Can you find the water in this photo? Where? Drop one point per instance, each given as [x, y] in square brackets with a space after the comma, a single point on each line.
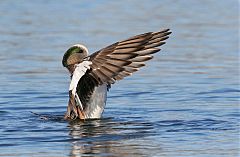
[184, 103]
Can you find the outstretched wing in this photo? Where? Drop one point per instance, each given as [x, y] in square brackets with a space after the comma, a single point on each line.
[123, 58]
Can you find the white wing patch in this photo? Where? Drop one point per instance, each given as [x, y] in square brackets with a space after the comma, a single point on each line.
[80, 70]
[98, 99]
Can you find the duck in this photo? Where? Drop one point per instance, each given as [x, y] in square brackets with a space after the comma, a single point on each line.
[92, 75]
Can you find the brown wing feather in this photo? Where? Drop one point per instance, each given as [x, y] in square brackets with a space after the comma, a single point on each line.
[123, 58]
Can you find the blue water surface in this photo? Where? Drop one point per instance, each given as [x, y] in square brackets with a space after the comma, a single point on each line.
[185, 102]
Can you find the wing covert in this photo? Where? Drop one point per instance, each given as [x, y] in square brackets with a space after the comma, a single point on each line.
[123, 58]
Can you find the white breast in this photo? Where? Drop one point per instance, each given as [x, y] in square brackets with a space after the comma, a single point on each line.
[97, 102]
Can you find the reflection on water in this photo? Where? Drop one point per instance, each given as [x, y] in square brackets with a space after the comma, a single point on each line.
[185, 102]
[105, 136]
[120, 137]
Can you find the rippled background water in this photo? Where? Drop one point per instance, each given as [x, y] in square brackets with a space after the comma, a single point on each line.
[184, 103]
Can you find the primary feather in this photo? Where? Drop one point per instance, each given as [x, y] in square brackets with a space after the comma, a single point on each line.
[123, 58]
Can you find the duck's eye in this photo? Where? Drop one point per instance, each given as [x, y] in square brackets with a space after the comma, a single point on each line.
[80, 51]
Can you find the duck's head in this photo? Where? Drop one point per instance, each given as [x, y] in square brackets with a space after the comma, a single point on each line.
[74, 55]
